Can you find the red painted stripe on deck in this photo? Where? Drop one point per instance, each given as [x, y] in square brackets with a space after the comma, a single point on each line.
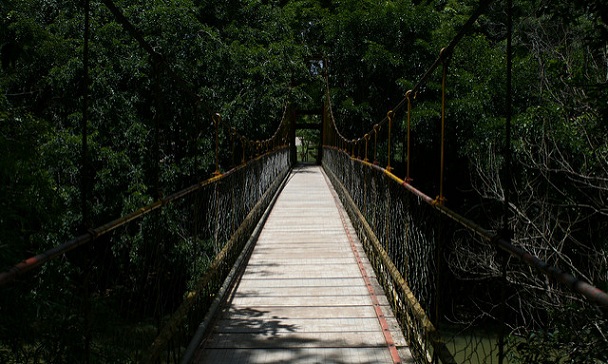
[381, 319]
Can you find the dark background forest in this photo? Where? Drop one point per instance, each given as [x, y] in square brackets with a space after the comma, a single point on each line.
[149, 111]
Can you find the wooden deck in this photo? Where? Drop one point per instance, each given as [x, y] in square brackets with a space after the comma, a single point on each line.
[305, 296]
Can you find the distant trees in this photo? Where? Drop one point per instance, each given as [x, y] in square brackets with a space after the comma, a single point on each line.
[149, 134]
[237, 58]
[559, 147]
[558, 197]
[150, 121]
[377, 50]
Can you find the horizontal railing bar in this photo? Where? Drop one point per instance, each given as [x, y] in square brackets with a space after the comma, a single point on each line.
[309, 126]
[92, 234]
[590, 292]
[234, 272]
[174, 322]
[417, 310]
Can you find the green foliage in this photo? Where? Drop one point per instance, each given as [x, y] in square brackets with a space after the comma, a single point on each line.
[150, 131]
[147, 136]
[27, 197]
[373, 47]
[573, 336]
[309, 143]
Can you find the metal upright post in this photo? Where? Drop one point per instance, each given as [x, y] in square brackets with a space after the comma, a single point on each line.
[506, 179]
[389, 116]
[293, 152]
[85, 185]
[446, 61]
[408, 136]
[217, 119]
[376, 131]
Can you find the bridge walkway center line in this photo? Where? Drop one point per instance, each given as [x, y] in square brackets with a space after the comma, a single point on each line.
[303, 297]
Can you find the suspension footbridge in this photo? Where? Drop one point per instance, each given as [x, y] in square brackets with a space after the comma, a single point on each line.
[269, 262]
[308, 293]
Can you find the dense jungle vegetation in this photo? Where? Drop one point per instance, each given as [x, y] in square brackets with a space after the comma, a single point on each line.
[150, 131]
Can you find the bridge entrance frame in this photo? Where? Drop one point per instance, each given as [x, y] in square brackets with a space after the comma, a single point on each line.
[294, 116]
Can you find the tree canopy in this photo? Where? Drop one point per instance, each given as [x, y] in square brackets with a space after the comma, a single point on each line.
[158, 69]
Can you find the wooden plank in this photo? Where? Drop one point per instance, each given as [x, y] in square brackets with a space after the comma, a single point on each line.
[302, 298]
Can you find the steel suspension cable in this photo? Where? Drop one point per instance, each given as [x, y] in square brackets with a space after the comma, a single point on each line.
[445, 53]
[86, 182]
[84, 167]
[441, 198]
[156, 57]
[507, 169]
[408, 96]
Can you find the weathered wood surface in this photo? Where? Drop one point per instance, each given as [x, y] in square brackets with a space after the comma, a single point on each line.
[302, 297]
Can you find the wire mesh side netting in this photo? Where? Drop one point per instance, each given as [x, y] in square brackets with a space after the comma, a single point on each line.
[401, 252]
[457, 296]
[139, 292]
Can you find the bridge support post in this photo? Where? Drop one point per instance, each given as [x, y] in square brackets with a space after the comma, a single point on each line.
[324, 132]
[293, 152]
[86, 192]
[507, 182]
